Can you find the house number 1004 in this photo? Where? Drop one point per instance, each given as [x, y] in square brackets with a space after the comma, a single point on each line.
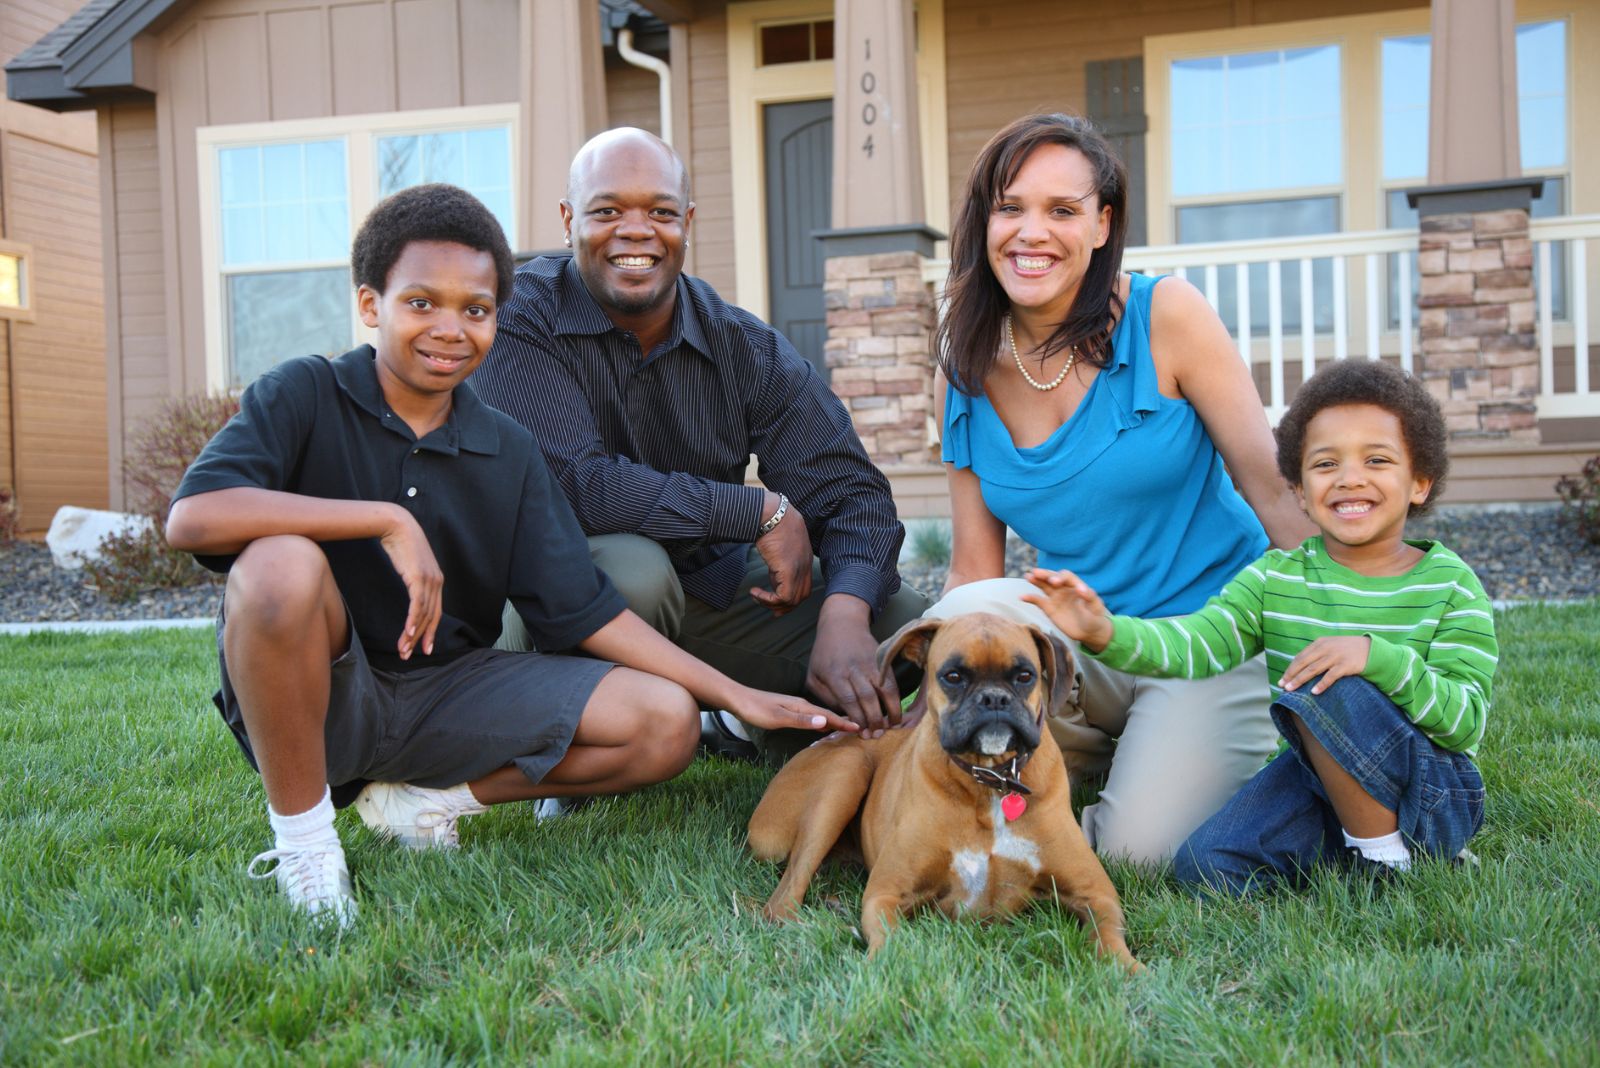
[869, 110]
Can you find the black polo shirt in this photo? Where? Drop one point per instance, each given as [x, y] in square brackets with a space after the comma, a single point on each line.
[658, 446]
[498, 525]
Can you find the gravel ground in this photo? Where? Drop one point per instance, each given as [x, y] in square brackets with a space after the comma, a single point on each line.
[1519, 553]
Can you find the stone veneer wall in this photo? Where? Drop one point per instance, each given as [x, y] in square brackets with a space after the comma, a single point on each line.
[1479, 352]
[880, 324]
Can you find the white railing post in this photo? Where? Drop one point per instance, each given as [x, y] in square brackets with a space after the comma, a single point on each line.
[1275, 330]
[1211, 286]
[1579, 301]
[1242, 306]
[1404, 260]
[1547, 355]
[1373, 350]
[1341, 313]
[1308, 323]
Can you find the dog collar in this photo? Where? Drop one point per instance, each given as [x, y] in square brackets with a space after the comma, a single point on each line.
[1006, 779]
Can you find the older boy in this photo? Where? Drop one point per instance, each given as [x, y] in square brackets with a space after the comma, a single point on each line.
[373, 517]
[1386, 649]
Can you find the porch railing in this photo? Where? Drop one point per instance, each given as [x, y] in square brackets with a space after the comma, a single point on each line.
[1355, 296]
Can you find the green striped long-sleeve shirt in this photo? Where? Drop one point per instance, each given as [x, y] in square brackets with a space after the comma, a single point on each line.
[1432, 629]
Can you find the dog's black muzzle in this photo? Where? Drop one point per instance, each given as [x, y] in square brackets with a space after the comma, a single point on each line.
[989, 721]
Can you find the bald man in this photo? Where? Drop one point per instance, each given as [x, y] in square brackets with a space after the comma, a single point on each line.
[648, 394]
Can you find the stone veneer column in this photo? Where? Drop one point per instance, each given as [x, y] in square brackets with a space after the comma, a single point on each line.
[880, 322]
[1479, 352]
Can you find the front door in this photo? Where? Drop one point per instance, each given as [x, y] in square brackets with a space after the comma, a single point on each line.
[799, 165]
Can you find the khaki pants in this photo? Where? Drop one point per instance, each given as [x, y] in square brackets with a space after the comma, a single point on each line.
[744, 641]
[1174, 750]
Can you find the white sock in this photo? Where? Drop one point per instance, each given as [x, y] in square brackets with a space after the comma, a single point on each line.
[1387, 849]
[732, 722]
[461, 800]
[308, 829]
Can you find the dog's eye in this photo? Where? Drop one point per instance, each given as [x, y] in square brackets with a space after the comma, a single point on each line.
[1024, 676]
[952, 677]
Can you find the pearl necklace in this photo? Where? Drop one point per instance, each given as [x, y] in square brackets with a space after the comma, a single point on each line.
[1072, 357]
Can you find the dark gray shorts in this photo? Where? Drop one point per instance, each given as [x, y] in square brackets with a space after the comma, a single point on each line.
[439, 726]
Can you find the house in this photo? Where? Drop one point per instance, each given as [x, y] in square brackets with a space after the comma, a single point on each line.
[53, 437]
[1277, 151]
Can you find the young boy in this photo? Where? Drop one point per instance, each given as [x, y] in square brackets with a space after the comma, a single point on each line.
[374, 517]
[1383, 649]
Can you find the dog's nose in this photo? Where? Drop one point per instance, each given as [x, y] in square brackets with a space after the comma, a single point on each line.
[994, 699]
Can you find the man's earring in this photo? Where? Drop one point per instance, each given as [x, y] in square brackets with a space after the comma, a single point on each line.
[567, 240]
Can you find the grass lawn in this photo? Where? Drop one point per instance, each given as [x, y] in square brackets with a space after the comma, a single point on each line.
[630, 933]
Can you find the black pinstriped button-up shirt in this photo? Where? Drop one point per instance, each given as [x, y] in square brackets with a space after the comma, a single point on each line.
[659, 446]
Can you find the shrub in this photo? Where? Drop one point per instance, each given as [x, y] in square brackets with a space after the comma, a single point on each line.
[1582, 496]
[930, 543]
[8, 516]
[159, 454]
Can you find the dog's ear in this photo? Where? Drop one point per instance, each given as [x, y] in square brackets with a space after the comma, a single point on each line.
[1059, 668]
[911, 642]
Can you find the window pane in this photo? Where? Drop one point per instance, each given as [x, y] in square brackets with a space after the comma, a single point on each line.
[283, 203]
[242, 241]
[1406, 73]
[239, 174]
[1267, 218]
[790, 43]
[478, 160]
[273, 317]
[1543, 128]
[1261, 120]
[1542, 59]
[10, 280]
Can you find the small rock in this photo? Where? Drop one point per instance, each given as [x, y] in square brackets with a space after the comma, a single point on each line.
[76, 533]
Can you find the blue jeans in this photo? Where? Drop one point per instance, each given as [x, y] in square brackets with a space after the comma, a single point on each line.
[1281, 824]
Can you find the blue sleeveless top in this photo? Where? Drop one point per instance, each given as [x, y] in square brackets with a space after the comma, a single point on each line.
[1130, 492]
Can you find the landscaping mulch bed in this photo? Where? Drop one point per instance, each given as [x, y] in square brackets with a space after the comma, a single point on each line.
[1520, 554]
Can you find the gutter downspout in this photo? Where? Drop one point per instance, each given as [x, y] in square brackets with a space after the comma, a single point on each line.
[637, 58]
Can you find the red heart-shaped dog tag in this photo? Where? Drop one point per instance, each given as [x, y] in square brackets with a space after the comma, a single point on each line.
[1013, 805]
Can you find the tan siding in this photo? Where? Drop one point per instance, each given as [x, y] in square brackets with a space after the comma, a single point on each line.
[428, 28]
[182, 104]
[297, 64]
[137, 273]
[490, 28]
[235, 69]
[8, 476]
[710, 164]
[363, 58]
[22, 22]
[633, 97]
[52, 202]
[987, 45]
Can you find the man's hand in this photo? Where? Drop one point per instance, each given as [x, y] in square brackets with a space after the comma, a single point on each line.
[776, 711]
[787, 550]
[843, 671]
[413, 559]
[1072, 606]
[1333, 658]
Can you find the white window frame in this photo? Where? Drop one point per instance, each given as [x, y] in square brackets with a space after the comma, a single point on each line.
[360, 134]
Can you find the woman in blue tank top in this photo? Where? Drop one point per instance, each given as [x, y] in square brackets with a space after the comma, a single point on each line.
[1100, 415]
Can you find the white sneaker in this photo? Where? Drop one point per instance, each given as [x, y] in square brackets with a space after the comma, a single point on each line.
[316, 880]
[419, 817]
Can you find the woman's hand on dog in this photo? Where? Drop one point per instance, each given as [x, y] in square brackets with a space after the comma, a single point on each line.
[1072, 606]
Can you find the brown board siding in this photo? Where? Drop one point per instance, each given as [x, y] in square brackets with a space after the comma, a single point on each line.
[710, 162]
[633, 97]
[57, 387]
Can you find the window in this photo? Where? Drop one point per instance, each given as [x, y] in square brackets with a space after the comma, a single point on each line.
[15, 298]
[1541, 120]
[282, 202]
[1260, 123]
[796, 42]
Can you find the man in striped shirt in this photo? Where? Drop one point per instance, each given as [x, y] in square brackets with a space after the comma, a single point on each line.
[1382, 650]
[648, 395]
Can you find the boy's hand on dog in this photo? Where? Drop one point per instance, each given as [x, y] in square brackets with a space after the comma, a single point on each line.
[413, 560]
[777, 711]
[1332, 658]
[1071, 606]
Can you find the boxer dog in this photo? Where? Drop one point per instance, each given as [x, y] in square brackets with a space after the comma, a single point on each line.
[968, 811]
